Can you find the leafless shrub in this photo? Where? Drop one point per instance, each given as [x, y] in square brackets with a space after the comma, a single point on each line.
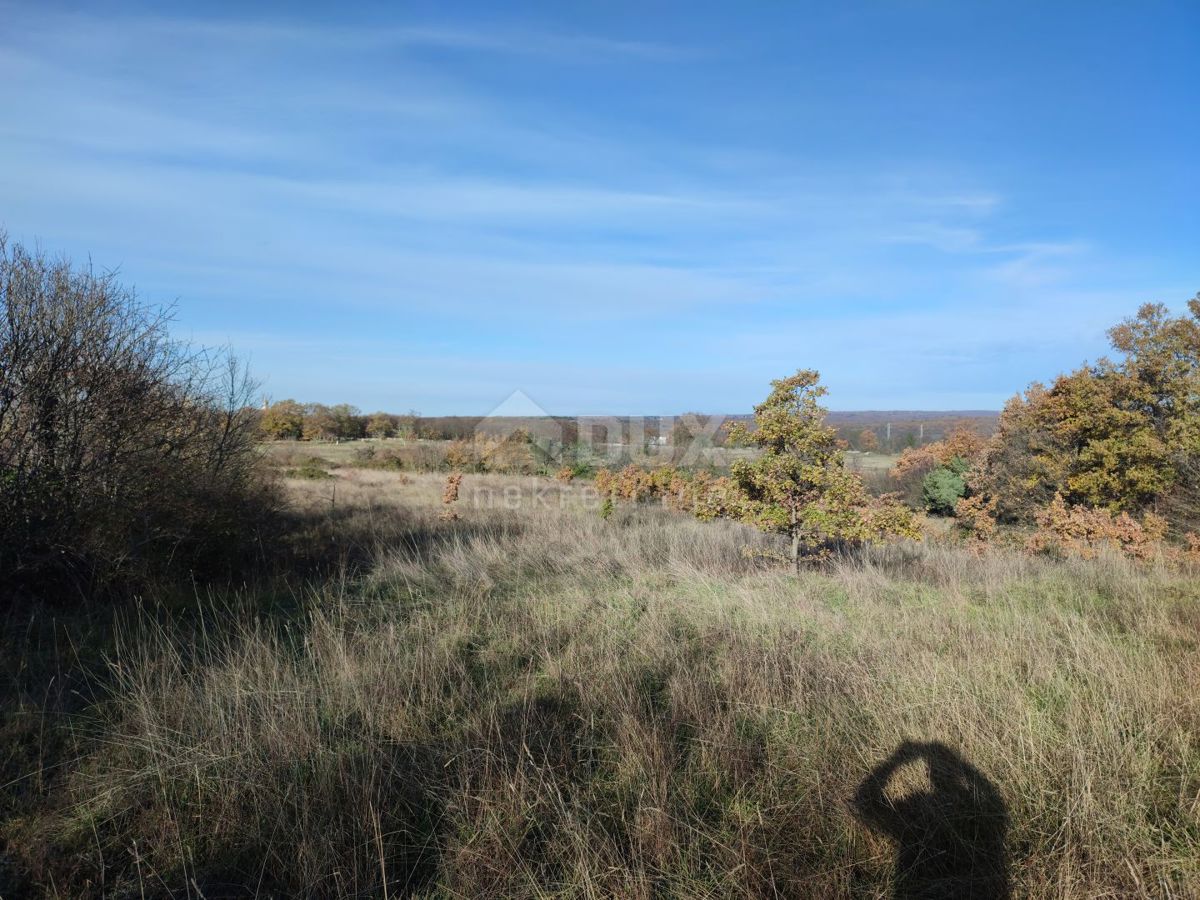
[120, 448]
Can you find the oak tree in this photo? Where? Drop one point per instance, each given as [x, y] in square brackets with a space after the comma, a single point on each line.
[798, 485]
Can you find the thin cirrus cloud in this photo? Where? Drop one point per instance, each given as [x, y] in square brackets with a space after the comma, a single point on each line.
[408, 206]
[576, 48]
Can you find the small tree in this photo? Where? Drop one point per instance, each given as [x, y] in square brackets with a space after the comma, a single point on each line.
[799, 484]
[381, 425]
[450, 495]
[942, 489]
[348, 422]
[409, 424]
[282, 421]
[319, 423]
[868, 441]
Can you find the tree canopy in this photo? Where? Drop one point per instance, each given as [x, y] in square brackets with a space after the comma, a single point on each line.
[1120, 435]
[799, 484]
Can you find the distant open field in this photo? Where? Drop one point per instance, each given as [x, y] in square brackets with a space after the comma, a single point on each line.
[342, 452]
[528, 700]
[347, 452]
[878, 462]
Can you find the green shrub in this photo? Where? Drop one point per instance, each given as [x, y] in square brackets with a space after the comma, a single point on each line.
[942, 489]
[391, 460]
[958, 465]
[312, 468]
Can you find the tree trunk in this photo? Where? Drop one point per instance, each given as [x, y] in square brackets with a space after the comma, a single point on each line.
[795, 539]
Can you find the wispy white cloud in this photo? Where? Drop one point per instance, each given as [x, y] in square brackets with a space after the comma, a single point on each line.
[117, 31]
[284, 174]
[1039, 264]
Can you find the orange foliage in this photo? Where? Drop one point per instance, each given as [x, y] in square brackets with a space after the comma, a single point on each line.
[977, 517]
[709, 497]
[916, 460]
[1081, 531]
[450, 495]
[962, 442]
[513, 454]
[636, 484]
[1191, 547]
[701, 494]
[460, 455]
[705, 496]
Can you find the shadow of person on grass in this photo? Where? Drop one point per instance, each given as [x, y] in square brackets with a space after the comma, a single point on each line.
[949, 835]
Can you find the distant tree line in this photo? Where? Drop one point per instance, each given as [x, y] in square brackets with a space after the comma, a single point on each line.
[288, 420]
[295, 421]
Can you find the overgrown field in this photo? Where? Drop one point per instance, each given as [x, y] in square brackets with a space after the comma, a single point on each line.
[418, 455]
[530, 700]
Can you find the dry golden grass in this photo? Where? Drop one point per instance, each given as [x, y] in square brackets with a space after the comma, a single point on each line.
[532, 701]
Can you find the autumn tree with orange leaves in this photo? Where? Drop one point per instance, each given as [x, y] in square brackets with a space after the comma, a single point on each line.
[1122, 436]
[799, 484]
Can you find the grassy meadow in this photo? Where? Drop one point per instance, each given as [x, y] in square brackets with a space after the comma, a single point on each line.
[431, 455]
[530, 700]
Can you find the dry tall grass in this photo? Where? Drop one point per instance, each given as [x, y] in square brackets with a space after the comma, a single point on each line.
[533, 702]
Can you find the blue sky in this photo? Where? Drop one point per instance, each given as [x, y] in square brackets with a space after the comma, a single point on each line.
[618, 207]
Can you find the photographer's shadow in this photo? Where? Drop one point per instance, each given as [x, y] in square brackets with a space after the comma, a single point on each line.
[949, 835]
